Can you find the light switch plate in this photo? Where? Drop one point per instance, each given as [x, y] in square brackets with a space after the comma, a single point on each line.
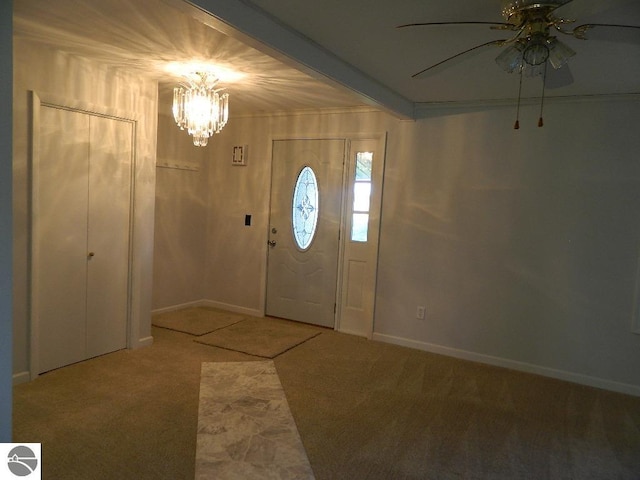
[239, 155]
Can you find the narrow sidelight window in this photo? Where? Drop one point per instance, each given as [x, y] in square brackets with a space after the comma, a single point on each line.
[361, 197]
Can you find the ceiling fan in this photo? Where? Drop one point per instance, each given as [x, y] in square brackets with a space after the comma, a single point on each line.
[533, 44]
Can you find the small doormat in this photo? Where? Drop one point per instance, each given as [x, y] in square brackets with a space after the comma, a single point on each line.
[262, 337]
[196, 321]
[245, 428]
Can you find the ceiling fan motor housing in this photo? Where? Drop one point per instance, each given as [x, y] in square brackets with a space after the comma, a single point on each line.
[512, 8]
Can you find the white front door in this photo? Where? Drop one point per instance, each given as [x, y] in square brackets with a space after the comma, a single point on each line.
[305, 216]
[80, 250]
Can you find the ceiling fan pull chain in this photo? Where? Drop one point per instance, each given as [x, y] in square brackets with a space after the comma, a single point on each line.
[516, 126]
[544, 82]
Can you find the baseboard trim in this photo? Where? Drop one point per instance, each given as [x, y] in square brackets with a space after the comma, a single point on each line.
[21, 377]
[211, 304]
[144, 342]
[596, 382]
[351, 332]
[232, 308]
[171, 308]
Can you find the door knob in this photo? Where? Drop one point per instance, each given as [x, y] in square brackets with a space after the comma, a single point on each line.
[90, 254]
[272, 243]
[274, 230]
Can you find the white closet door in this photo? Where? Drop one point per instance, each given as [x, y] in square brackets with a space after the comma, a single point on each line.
[81, 230]
[110, 154]
[60, 237]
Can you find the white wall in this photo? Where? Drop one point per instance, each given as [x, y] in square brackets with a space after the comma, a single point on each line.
[6, 237]
[76, 79]
[523, 245]
[180, 218]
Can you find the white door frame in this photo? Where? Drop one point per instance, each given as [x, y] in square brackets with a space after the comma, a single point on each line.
[37, 100]
[380, 138]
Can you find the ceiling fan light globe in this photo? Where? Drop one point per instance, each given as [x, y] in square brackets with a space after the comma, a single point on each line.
[559, 52]
[536, 53]
[510, 59]
[531, 71]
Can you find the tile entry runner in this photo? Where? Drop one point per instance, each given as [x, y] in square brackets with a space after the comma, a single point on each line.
[245, 427]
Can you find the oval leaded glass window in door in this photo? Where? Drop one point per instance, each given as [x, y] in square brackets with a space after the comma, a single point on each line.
[304, 218]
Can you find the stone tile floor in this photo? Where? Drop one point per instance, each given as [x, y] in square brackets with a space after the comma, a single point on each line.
[245, 428]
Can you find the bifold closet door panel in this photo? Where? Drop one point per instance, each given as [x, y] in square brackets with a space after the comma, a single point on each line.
[60, 237]
[110, 166]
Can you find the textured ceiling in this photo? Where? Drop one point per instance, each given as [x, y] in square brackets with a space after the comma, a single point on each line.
[363, 33]
[149, 35]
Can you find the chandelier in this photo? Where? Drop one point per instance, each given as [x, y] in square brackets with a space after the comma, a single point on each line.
[199, 108]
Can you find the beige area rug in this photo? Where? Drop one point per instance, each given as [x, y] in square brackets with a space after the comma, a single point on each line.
[196, 321]
[245, 428]
[262, 337]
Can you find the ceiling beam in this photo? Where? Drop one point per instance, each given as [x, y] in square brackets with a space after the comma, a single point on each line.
[268, 35]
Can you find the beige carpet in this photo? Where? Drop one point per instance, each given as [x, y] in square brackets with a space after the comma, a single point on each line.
[196, 321]
[263, 337]
[364, 410]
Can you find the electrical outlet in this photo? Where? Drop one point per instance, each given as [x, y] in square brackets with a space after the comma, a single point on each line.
[420, 311]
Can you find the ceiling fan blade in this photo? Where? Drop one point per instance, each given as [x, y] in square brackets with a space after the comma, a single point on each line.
[583, 8]
[455, 59]
[558, 78]
[500, 25]
[608, 32]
